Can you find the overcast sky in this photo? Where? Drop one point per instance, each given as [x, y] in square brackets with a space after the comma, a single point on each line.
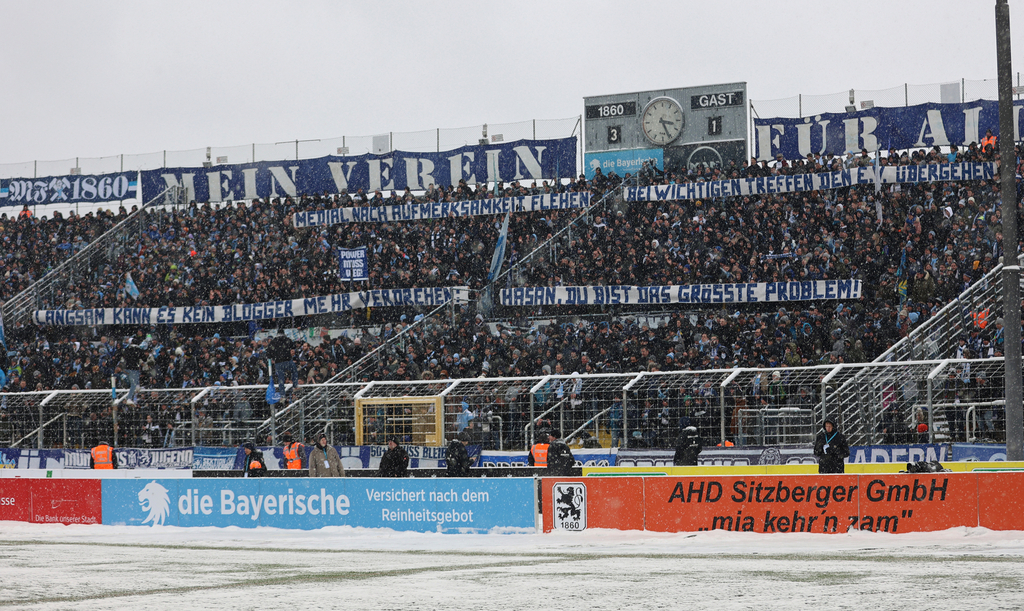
[94, 79]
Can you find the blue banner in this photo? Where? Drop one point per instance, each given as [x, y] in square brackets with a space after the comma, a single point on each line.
[440, 210]
[732, 456]
[915, 452]
[748, 292]
[979, 451]
[69, 189]
[217, 459]
[136, 458]
[425, 505]
[795, 183]
[921, 126]
[16, 458]
[597, 457]
[352, 264]
[352, 457]
[307, 306]
[507, 161]
[623, 162]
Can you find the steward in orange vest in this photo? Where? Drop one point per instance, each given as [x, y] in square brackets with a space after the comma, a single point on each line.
[980, 318]
[988, 140]
[294, 452]
[103, 457]
[538, 456]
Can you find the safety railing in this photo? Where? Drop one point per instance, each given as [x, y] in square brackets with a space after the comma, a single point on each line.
[956, 92]
[86, 263]
[776, 427]
[892, 402]
[938, 337]
[985, 422]
[438, 139]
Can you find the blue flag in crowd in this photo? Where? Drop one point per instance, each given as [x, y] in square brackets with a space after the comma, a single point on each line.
[3, 354]
[129, 285]
[272, 395]
[499, 251]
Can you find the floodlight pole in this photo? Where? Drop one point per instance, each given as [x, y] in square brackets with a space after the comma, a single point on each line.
[1011, 270]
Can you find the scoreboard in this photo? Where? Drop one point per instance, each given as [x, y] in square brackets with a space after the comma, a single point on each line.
[686, 126]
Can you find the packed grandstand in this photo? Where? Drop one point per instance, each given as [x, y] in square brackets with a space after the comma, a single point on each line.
[914, 247]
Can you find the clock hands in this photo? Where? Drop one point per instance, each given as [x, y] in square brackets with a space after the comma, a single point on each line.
[664, 126]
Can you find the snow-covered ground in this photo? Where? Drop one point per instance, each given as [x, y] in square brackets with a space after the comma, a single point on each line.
[111, 567]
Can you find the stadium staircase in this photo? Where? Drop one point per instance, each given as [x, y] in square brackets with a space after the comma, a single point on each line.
[85, 264]
[312, 411]
[858, 399]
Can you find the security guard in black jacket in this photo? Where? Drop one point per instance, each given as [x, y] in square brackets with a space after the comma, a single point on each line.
[560, 458]
[457, 458]
[395, 462]
[688, 448]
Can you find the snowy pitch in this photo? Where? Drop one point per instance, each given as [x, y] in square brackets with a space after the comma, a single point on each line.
[114, 567]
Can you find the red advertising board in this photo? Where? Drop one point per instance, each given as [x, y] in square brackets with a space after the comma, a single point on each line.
[888, 502]
[917, 502]
[1001, 500]
[794, 503]
[592, 502]
[66, 501]
[15, 500]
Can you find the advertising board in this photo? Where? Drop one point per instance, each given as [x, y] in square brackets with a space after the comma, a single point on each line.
[441, 504]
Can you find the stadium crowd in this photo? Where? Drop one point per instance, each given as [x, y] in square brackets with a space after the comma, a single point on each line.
[931, 242]
[31, 247]
[250, 252]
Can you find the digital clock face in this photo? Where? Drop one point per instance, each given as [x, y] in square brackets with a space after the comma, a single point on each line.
[662, 121]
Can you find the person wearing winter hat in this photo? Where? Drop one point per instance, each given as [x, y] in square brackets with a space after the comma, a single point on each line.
[688, 448]
[255, 465]
[831, 448]
[457, 460]
[395, 462]
[560, 458]
[324, 460]
[294, 452]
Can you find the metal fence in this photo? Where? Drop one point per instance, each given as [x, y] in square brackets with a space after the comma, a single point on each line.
[440, 139]
[939, 337]
[802, 105]
[891, 402]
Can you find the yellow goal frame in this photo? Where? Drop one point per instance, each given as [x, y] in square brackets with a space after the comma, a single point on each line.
[421, 417]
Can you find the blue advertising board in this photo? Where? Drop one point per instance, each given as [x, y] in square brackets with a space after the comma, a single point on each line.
[979, 451]
[622, 162]
[424, 505]
[598, 457]
[914, 452]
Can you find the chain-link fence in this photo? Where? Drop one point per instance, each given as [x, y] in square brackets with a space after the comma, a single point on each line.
[440, 139]
[951, 400]
[956, 92]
